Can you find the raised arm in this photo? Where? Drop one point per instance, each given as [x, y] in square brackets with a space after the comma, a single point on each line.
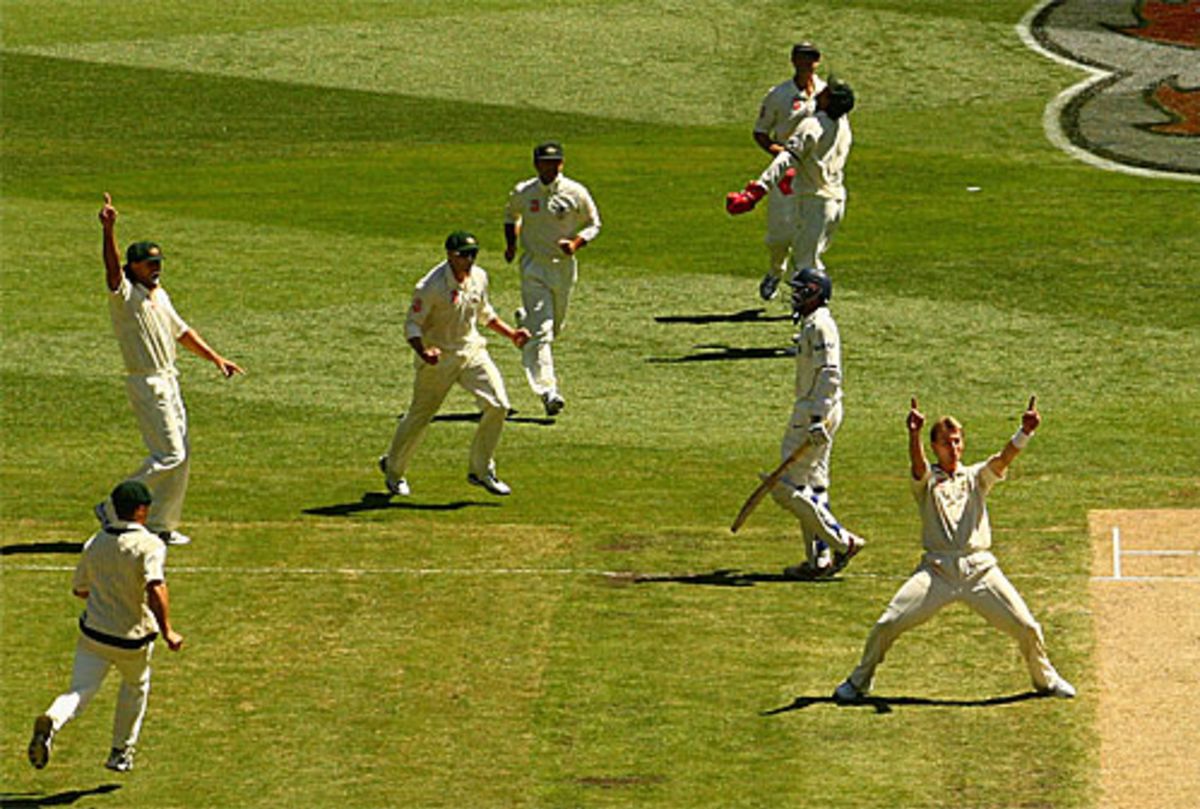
[916, 450]
[112, 257]
[1030, 420]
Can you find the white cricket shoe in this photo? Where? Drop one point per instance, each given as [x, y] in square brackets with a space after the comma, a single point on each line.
[120, 759]
[553, 403]
[490, 482]
[1058, 687]
[399, 488]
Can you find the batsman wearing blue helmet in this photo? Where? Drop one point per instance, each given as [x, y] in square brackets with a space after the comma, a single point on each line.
[804, 488]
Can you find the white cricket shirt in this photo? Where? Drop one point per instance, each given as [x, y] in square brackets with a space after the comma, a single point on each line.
[115, 569]
[818, 363]
[146, 326]
[546, 213]
[784, 107]
[447, 314]
[819, 150]
[954, 517]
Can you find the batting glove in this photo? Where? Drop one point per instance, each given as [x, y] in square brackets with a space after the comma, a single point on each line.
[818, 435]
[785, 184]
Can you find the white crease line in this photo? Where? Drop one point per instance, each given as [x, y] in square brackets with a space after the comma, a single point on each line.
[631, 575]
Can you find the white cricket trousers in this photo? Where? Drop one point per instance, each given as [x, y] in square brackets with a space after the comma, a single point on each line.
[781, 228]
[480, 377]
[942, 579]
[546, 285]
[92, 662]
[795, 490]
[162, 418]
[816, 220]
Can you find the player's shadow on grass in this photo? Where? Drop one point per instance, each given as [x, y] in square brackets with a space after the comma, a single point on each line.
[41, 547]
[378, 501]
[729, 577]
[716, 352]
[15, 799]
[744, 316]
[511, 418]
[885, 704]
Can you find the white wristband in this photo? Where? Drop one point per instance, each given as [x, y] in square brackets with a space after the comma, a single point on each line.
[1020, 438]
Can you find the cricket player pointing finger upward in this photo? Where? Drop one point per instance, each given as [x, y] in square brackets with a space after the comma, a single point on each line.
[147, 328]
[958, 564]
[554, 217]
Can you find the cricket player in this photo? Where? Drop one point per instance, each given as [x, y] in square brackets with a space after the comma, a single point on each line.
[120, 576]
[449, 304]
[804, 488]
[555, 217]
[782, 110]
[809, 172]
[958, 564]
[147, 328]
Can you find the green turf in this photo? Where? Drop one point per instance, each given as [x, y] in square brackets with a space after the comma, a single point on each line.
[301, 164]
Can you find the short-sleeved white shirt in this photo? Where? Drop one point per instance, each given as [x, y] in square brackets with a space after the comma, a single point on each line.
[115, 567]
[784, 107]
[818, 363]
[953, 507]
[546, 213]
[447, 314]
[819, 150]
[146, 326]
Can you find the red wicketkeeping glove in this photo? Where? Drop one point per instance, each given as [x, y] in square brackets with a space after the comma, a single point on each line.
[741, 201]
[785, 185]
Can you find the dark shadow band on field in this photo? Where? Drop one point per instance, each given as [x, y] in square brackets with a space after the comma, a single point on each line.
[885, 704]
[744, 316]
[729, 577]
[378, 501]
[719, 352]
[42, 547]
[15, 799]
[511, 418]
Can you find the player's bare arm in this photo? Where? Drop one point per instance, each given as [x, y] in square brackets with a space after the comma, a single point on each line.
[915, 421]
[193, 342]
[768, 145]
[112, 257]
[571, 246]
[159, 602]
[428, 354]
[519, 336]
[510, 241]
[1031, 419]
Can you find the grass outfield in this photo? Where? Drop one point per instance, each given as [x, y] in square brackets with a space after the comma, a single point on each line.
[301, 164]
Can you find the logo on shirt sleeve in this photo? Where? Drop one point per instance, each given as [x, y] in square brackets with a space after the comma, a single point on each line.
[454, 296]
[416, 305]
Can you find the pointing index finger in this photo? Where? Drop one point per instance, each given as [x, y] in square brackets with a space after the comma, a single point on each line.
[1033, 402]
[107, 198]
[914, 403]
